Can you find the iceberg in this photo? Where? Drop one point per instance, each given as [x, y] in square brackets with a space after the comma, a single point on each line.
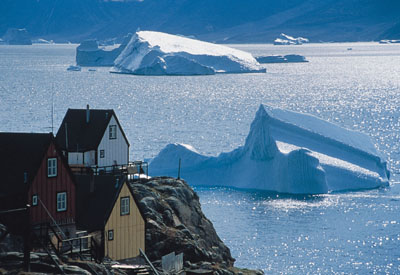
[74, 68]
[285, 152]
[157, 53]
[285, 39]
[88, 53]
[290, 58]
[15, 36]
[389, 41]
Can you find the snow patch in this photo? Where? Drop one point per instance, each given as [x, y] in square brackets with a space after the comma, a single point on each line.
[285, 152]
[285, 39]
[156, 53]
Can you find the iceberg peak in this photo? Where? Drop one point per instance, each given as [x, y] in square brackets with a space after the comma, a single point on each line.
[259, 141]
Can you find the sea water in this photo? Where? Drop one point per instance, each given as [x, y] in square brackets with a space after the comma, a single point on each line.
[357, 232]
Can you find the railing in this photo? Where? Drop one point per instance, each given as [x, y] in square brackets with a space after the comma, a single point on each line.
[137, 168]
[75, 245]
[148, 261]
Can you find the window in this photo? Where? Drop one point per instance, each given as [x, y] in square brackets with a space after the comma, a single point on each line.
[61, 201]
[101, 154]
[110, 235]
[113, 131]
[34, 200]
[52, 167]
[124, 206]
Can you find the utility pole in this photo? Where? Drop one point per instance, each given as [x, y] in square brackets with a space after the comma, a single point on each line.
[179, 169]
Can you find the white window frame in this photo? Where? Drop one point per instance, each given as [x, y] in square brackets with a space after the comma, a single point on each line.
[110, 234]
[61, 201]
[102, 154]
[52, 167]
[113, 131]
[34, 200]
[125, 206]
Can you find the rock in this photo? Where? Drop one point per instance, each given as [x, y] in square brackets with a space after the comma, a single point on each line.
[175, 222]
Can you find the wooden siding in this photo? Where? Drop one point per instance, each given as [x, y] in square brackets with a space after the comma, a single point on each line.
[47, 188]
[129, 230]
[115, 150]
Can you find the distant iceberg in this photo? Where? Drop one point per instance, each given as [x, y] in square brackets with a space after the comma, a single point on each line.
[285, 39]
[156, 53]
[88, 53]
[15, 36]
[393, 41]
[290, 58]
[284, 152]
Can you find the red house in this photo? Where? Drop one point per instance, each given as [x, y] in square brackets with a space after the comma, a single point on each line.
[33, 171]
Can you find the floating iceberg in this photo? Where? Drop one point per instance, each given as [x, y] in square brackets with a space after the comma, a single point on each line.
[88, 53]
[42, 41]
[74, 68]
[285, 39]
[290, 58]
[15, 36]
[285, 152]
[156, 53]
[389, 41]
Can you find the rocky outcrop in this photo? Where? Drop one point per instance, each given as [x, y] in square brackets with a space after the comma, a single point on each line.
[175, 222]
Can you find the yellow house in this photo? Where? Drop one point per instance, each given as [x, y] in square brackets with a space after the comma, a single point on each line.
[107, 206]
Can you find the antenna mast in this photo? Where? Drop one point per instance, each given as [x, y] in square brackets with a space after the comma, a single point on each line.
[52, 111]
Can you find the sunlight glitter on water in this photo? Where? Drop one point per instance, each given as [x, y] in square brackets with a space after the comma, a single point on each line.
[339, 233]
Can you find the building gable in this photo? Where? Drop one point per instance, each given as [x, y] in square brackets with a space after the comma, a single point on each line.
[52, 180]
[114, 147]
[124, 230]
[82, 131]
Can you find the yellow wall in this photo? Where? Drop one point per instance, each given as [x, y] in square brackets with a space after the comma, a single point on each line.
[129, 230]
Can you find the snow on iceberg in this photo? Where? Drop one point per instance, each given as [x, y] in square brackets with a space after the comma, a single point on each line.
[157, 53]
[285, 39]
[284, 152]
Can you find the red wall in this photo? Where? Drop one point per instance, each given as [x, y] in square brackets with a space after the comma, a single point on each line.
[47, 188]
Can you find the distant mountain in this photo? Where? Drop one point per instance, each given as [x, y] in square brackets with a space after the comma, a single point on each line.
[229, 21]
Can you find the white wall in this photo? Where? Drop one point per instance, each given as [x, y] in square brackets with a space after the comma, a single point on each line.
[114, 149]
[75, 158]
[90, 158]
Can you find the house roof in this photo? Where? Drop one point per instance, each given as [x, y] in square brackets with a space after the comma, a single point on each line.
[20, 153]
[76, 135]
[94, 208]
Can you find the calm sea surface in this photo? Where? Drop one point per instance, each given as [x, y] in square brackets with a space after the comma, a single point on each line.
[356, 232]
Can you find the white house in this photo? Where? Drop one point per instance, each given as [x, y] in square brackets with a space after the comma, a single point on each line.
[93, 138]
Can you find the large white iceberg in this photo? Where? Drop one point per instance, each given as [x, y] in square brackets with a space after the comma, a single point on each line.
[285, 152]
[157, 53]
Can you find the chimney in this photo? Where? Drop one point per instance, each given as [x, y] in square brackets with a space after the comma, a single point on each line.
[87, 113]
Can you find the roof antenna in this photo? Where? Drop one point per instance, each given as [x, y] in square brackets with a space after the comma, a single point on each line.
[52, 111]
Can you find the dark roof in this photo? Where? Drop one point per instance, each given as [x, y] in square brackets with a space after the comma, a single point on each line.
[94, 208]
[76, 135]
[20, 153]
